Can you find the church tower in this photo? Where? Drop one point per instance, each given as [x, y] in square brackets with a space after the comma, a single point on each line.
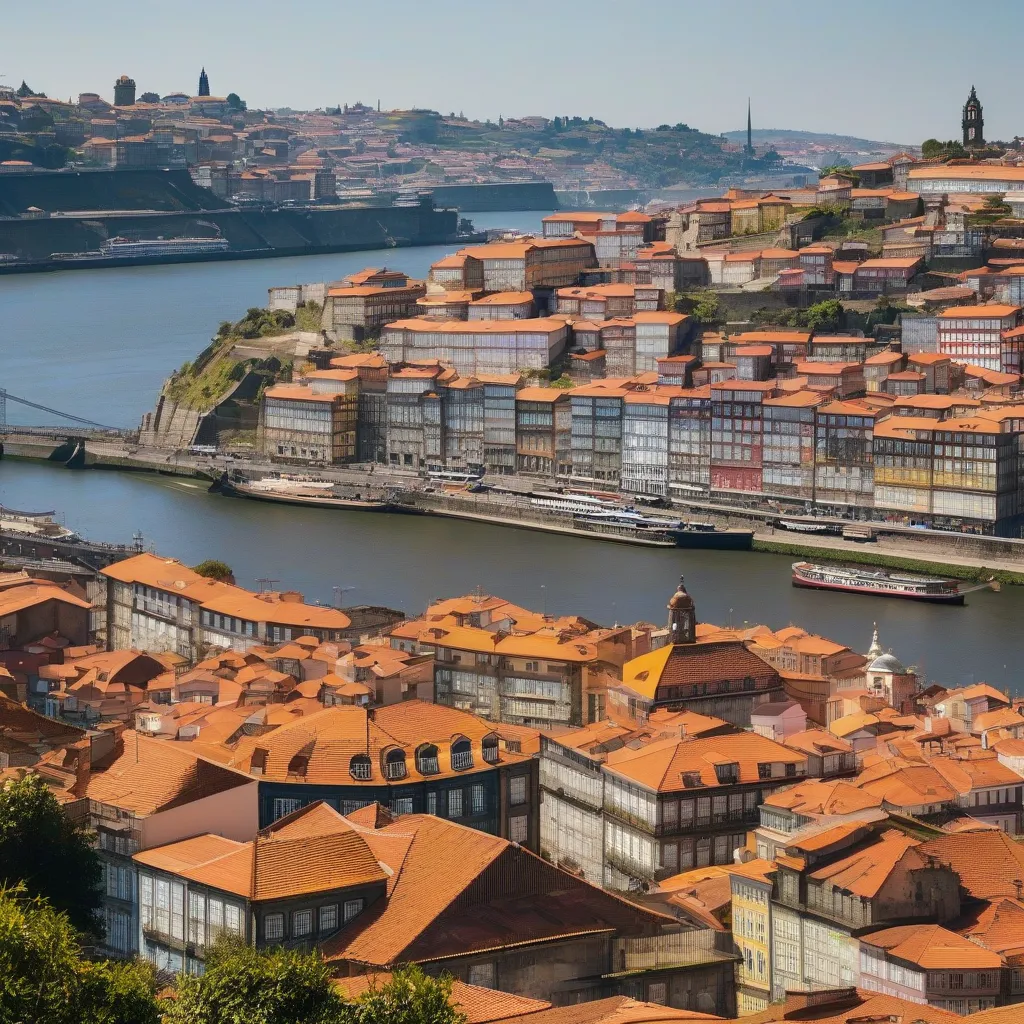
[973, 122]
[682, 619]
[749, 148]
[204, 84]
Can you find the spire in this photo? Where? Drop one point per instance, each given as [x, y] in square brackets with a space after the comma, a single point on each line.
[749, 150]
[875, 650]
[681, 617]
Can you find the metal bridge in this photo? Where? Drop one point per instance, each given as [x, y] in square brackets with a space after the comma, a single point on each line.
[6, 396]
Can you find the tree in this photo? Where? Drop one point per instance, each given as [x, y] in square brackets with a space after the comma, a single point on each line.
[42, 848]
[214, 569]
[45, 980]
[408, 997]
[827, 315]
[244, 986]
[149, 97]
[235, 102]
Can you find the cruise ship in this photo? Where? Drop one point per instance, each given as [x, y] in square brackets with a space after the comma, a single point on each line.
[146, 248]
[877, 582]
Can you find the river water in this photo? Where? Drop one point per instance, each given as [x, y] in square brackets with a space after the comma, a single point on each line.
[99, 343]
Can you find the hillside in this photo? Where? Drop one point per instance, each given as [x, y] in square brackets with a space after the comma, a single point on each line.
[771, 136]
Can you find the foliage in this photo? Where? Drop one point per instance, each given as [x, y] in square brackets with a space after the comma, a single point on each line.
[149, 97]
[308, 316]
[214, 569]
[844, 169]
[822, 316]
[932, 149]
[42, 848]
[702, 305]
[409, 997]
[258, 323]
[45, 980]
[243, 986]
[563, 383]
[234, 102]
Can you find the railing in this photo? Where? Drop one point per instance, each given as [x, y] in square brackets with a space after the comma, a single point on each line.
[427, 766]
[651, 952]
[360, 771]
[462, 760]
[394, 770]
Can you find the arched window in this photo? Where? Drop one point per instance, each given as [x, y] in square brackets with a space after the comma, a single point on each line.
[360, 767]
[462, 754]
[490, 748]
[298, 764]
[426, 759]
[394, 764]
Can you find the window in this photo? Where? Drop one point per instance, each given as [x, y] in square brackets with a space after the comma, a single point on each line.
[482, 975]
[455, 803]
[360, 767]
[302, 923]
[657, 992]
[517, 790]
[402, 805]
[273, 927]
[490, 748]
[329, 918]
[462, 754]
[285, 805]
[478, 799]
[519, 829]
[353, 908]
[432, 803]
[232, 919]
[394, 765]
[426, 760]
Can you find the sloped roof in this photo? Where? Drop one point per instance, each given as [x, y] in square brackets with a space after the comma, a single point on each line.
[988, 863]
[932, 947]
[864, 871]
[815, 797]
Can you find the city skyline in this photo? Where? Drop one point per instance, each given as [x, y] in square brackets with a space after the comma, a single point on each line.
[717, 61]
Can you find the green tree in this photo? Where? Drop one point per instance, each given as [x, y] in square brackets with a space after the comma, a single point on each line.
[235, 102]
[702, 305]
[408, 997]
[45, 980]
[824, 316]
[838, 169]
[41, 848]
[214, 569]
[244, 986]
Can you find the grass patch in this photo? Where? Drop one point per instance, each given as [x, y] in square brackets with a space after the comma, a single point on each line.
[970, 573]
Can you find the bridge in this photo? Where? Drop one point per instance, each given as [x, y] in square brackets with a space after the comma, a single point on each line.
[83, 427]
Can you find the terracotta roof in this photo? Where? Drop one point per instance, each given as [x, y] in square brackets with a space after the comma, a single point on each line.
[312, 850]
[29, 595]
[988, 863]
[823, 798]
[932, 947]
[662, 765]
[978, 312]
[448, 894]
[864, 871]
[862, 1008]
[611, 1010]
[154, 775]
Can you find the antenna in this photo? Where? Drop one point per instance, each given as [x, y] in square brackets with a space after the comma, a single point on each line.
[339, 595]
[265, 583]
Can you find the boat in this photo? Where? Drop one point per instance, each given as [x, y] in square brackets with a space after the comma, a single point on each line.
[571, 504]
[33, 525]
[801, 526]
[318, 494]
[877, 582]
[118, 248]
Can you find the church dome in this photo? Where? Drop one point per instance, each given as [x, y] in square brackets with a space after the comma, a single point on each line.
[887, 663]
[680, 599]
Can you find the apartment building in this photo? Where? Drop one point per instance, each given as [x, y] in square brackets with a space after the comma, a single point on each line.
[531, 263]
[596, 433]
[356, 312]
[605, 301]
[372, 416]
[158, 604]
[981, 336]
[502, 306]
[543, 432]
[737, 435]
[476, 346]
[645, 440]
[461, 272]
[689, 442]
[751, 885]
[315, 421]
[844, 453]
[788, 451]
[836, 881]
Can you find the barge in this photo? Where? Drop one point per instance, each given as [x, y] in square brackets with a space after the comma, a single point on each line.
[877, 582]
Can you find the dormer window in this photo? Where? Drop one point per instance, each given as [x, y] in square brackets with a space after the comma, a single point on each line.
[691, 779]
[298, 765]
[490, 748]
[462, 754]
[727, 774]
[258, 761]
[360, 768]
[394, 765]
[426, 760]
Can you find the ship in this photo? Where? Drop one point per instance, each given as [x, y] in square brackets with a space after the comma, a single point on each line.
[878, 582]
[33, 525]
[295, 490]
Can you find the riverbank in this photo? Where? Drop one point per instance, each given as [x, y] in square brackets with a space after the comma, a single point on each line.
[926, 552]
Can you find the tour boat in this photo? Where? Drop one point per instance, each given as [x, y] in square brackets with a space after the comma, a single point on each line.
[35, 525]
[877, 582]
[800, 526]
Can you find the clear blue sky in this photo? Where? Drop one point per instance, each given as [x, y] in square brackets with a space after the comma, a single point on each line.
[877, 69]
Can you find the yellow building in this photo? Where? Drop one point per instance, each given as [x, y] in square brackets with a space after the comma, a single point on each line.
[751, 931]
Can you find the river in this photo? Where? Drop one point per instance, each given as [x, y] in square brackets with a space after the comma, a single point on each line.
[100, 342]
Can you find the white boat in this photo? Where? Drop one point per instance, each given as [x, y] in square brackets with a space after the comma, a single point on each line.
[33, 524]
[121, 248]
[571, 504]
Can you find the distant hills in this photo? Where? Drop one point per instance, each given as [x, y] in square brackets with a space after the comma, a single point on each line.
[770, 136]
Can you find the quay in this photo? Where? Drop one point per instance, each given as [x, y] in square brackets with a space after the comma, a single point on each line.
[967, 555]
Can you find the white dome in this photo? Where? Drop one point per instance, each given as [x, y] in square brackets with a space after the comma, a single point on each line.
[887, 663]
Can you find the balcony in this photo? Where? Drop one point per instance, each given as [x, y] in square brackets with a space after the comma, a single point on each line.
[462, 760]
[671, 949]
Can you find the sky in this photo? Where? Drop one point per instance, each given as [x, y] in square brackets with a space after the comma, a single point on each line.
[896, 72]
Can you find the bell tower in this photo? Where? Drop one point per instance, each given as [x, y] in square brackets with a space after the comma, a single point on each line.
[682, 619]
[973, 122]
[204, 84]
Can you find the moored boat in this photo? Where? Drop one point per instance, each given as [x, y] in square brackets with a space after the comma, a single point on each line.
[878, 582]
